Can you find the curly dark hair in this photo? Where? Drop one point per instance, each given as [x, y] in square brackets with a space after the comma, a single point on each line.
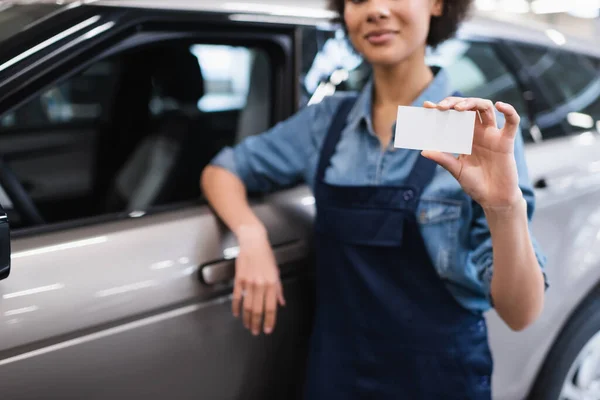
[441, 28]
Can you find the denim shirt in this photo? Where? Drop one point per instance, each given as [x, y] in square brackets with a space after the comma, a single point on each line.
[453, 226]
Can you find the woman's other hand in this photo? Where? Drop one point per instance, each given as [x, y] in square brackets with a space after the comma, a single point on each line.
[489, 174]
[257, 286]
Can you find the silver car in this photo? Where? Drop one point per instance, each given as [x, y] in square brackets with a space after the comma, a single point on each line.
[120, 274]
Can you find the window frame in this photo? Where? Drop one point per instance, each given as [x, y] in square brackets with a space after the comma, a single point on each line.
[276, 41]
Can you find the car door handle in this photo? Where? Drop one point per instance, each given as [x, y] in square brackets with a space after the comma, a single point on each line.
[223, 271]
[541, 183]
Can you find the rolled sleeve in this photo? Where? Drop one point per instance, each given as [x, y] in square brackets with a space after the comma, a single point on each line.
[481, 258]
[276, 158]
[226, 159]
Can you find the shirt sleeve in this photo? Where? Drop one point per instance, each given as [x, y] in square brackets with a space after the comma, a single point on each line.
[481, 258]
[278, 157]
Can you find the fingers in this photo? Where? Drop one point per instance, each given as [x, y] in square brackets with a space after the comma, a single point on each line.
[448, 103]
[248, 305]
[280, 296]
[238, 295]
[511, 126]
[258, 306]
[485, 108]
[446, 160]
[271, 308]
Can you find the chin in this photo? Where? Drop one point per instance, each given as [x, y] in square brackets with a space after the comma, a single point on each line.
[385, 60]
[386, 56]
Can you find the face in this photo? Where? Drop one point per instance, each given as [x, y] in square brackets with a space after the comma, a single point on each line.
[387, 32]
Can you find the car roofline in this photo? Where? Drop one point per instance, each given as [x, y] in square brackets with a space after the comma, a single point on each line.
[312, 14]
[280, 11]
[536, 33]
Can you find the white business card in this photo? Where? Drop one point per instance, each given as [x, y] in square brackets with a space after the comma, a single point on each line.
[420, 128]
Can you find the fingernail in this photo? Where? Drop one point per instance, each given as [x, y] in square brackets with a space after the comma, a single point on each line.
[268, 330]
[255, 332]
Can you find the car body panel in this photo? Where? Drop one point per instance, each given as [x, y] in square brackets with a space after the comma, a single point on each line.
[89, 300]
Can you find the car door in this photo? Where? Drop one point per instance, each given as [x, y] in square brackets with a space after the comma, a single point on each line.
[136, 303]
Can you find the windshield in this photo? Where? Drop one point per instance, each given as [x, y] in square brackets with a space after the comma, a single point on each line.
[17, 16]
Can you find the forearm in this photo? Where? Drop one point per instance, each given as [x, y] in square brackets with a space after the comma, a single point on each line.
[227, 195]
[517, 284]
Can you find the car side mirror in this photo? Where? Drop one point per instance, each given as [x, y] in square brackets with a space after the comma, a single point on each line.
[4, 245]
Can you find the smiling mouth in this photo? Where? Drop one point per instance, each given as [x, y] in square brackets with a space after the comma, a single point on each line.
[378, 34]
[380, 38]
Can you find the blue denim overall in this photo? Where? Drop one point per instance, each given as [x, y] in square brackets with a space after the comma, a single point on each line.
[386, 327]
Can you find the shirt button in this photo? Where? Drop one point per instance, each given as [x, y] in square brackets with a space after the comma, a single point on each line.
[481, 326]
[409, 194]
[484, 381]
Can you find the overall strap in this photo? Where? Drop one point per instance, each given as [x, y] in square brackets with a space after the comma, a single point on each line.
[423, 171]
[333, 135]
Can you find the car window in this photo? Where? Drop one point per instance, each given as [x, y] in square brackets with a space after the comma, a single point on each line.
[132, 132]
[85, 98]
[226, 71]
[569, 83]
[328, 65]
[476, 71]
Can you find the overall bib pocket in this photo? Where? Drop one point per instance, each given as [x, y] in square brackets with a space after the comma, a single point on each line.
[362, 226]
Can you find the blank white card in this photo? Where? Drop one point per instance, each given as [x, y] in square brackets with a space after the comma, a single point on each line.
[419, 128]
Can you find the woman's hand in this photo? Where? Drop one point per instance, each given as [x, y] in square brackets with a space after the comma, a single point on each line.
[489, 173]
[257, 285]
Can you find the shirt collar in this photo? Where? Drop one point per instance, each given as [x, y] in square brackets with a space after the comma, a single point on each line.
[437, 90]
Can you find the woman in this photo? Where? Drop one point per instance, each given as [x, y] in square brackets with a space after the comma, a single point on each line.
[409, 254]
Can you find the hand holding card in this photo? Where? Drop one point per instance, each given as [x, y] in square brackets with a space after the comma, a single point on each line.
[488, 173]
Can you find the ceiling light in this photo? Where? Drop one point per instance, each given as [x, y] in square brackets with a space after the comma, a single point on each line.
[486, 5]
[515, 6]
[550, 6]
